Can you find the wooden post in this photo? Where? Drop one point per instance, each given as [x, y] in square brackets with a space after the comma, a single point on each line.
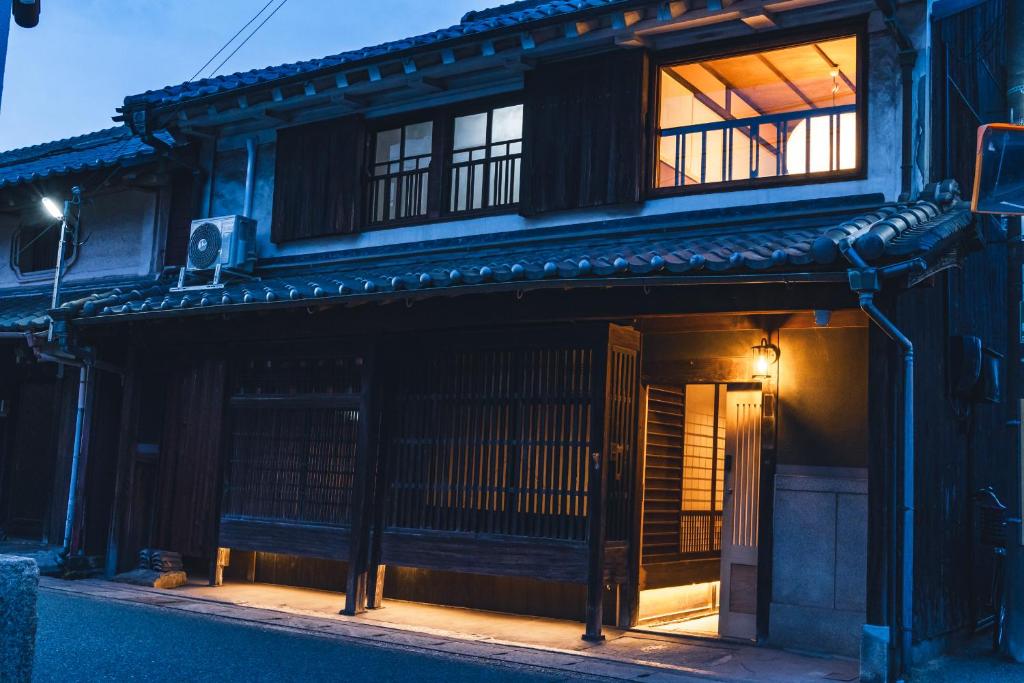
[596, 539]
[125, 456]
[375, 586]
[362, 494]
[222, 560]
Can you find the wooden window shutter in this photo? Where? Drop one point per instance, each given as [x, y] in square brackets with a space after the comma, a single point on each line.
[585, 132]
[318, 179]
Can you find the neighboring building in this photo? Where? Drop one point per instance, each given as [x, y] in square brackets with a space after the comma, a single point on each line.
[557, 312]
[119, 244]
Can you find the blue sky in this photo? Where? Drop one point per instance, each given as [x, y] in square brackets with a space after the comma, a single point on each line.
[66, 76]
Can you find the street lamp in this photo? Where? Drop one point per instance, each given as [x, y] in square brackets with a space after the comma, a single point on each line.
[58, 269]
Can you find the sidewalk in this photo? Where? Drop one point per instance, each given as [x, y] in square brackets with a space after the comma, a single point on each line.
[546, 643]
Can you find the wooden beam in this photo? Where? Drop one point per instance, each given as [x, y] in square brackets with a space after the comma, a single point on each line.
[714, 106]
[792, 86]
[833, 65]
[623, 20]
[671, 10]
[759, 21]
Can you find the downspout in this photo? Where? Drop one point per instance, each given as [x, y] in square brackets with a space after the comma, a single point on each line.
[84, 377]
[250, 176]
[865, 281]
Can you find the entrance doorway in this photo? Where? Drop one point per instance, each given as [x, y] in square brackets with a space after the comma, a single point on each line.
[700, 515]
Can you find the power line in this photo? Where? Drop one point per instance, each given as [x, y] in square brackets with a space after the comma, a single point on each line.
[254, 31]
[232, 39]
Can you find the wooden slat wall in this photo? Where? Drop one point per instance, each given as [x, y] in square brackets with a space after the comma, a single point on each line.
[584, 132]
[492, 441]
[663, 473]
[318, 179]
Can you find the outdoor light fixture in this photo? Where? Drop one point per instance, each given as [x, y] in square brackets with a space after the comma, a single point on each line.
[765, 356]
[52, 208]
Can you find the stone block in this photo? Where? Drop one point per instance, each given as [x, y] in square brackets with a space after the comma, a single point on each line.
[815, 629]
[852, 552]
[804, 548]
[19, 587]
[874, 654]
[153, 579]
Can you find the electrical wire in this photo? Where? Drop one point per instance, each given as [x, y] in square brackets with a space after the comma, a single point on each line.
[231, 40]
[254, 32]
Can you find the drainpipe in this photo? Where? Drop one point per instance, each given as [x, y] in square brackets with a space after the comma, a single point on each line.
[865, 281]
[250, 176]
[84, 377]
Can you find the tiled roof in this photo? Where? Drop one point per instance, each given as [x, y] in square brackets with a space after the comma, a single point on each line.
[84, 152]
[22, 311]
[504, 17]
[797, 246]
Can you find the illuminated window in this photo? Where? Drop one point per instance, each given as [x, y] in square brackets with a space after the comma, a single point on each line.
[400, 173]
[787, 112]
[487, 152]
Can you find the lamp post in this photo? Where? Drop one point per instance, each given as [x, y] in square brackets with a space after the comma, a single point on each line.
[61, 215]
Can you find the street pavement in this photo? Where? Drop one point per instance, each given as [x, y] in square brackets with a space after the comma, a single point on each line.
[85, 639]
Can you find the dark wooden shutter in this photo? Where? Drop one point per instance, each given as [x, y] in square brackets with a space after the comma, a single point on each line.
[318, 181]
[585, 131]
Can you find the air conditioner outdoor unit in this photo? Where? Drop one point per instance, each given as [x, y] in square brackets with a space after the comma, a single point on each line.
[225, 243]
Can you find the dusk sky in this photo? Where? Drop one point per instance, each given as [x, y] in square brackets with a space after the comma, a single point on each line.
[66, 76]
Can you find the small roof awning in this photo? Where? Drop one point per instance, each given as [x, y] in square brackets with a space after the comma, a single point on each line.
[781, 245]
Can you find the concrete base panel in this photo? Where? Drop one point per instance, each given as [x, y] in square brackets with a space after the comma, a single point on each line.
[816, 629]
[874, 654]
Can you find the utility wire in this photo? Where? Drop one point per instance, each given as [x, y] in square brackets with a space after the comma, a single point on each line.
[225, 45]
[254, 31]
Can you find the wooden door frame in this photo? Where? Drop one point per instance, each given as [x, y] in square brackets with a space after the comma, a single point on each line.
[729, 371]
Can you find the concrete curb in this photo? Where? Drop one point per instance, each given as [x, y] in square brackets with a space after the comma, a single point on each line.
[19, 587]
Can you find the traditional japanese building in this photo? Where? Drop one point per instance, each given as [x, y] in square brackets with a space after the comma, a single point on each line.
[651, 314]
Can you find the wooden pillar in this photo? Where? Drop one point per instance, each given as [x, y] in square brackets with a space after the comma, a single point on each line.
[125, 458]
[223, 559]
[362, 493]
[597, 496]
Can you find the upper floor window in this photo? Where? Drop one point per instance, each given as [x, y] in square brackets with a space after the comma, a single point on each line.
[400, 173]
[34, 248]
[786, 112]
[486, 159]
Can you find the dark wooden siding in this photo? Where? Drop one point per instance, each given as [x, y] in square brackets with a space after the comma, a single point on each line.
[318, 179]
[189, 462]
[585, 132]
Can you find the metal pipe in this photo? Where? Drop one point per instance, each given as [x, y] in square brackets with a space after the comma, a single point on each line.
[84, 377]
[250, 176]
[867, 304]
[57, 269]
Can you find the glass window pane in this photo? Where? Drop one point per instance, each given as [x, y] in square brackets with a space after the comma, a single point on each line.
[389, 145]
[508, 123]
[419, 138]
[470, 131]
[790, 110]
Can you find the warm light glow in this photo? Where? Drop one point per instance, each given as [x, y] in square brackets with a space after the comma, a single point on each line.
[826, 147]
[765, 356]
[52, 208]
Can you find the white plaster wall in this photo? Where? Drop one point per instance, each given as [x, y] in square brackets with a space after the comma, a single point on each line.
[883, 176]
[120, 229]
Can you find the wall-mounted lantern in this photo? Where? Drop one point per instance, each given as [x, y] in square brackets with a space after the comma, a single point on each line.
[765, 356]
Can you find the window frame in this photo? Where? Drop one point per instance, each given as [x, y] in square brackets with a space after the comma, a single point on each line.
[442, 150]
[728, 48]
[16, 239]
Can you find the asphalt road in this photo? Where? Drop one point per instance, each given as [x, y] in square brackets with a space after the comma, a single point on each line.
[84, 639]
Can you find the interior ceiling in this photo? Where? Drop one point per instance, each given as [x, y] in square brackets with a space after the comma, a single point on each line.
[787, 79]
